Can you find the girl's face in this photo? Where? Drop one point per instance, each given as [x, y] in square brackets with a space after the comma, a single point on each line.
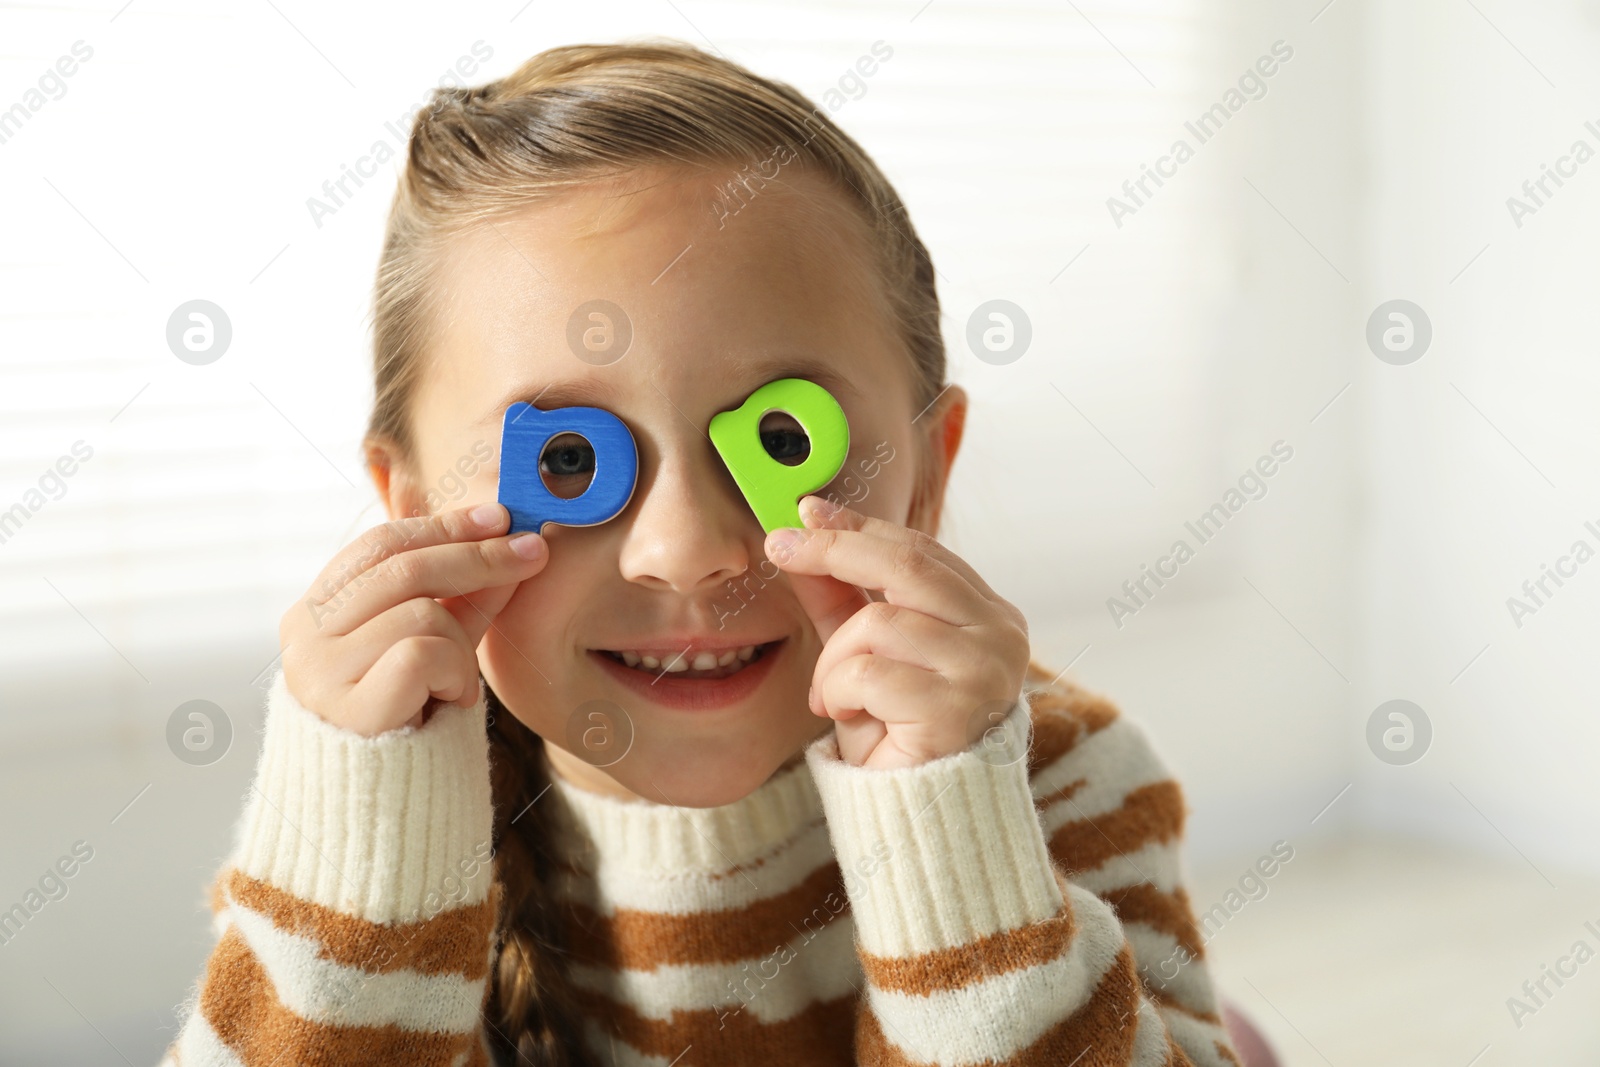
[719, 302]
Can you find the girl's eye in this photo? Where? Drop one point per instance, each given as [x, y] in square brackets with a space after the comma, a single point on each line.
[567, 465]
[784, 439]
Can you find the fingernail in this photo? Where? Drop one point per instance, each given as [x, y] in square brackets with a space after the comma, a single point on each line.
[783, 539]
[528, 546]
[485, 514]
[819, 508]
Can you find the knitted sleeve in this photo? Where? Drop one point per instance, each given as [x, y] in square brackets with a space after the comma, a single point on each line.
[356, 911]
[1113, 819]
[986, 939]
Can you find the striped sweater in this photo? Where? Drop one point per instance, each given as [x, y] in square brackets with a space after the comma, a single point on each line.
[1009, 904]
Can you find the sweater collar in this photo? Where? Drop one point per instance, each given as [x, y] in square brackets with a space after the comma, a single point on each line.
[646, 836]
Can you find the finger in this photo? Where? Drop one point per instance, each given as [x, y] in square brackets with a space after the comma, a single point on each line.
[401, 535]
[827, 602]
[896, 633]
[858, 738]
[818, 512]
[889, 690]
[476, 612]
[358, 652]
[438, 571]
[402, 681]
[907, 575]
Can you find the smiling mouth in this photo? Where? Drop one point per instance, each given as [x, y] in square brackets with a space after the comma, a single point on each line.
[708, 663]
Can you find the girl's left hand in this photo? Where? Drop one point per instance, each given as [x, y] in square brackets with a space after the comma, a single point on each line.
[933, 665]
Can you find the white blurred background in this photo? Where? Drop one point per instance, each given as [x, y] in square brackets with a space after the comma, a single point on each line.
[1226, 313]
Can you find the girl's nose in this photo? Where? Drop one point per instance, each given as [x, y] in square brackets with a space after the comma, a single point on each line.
[690, 528]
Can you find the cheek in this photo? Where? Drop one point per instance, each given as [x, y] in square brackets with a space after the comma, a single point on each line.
[876, 480]
[522, 618]
[526, 655]
[886, 496]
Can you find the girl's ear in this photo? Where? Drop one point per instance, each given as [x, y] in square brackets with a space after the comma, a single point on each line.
[391, 476]
[944, 423]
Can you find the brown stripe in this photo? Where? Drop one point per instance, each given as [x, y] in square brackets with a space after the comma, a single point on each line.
[1063, 717]
[1150, 813]
[1037, 674]
[452, 942]
[1167, 912]
[242, 1006]
[821, 1034]
[1226, 1053]
[216, 895]
[1099, 1034]
[638, 940]
[955, 968]
[1054, 735]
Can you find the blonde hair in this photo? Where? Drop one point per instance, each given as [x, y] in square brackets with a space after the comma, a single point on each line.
[567, 116]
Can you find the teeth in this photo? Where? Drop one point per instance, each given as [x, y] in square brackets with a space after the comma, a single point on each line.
[700, 661]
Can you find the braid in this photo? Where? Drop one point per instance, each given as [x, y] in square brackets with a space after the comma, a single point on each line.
[531, 1008]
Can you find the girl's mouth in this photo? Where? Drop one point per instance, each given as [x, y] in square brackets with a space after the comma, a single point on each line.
[691, 663]
[692, 679]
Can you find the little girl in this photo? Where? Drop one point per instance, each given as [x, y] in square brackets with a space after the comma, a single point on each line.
[664, 790]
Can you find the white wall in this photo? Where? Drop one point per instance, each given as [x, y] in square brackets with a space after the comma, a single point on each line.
[1467, 504]
[1194, 357]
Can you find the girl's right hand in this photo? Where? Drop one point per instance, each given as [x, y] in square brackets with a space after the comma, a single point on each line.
[394, 620]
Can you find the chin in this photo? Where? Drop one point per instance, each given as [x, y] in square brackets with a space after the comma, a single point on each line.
[698, 778]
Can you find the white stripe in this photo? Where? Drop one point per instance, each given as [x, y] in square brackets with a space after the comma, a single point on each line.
[615, 1052]
[619, 885]
[1156, 863]
[1197, 1037]
[995, 1018]
[1162, 965]
[1150, 1040]
[773, 987]
[1113, 762]
[322, 991]
[200, 1046]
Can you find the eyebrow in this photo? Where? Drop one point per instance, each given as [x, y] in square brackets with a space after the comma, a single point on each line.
[593, 392]
[771, 369]
[585, 392]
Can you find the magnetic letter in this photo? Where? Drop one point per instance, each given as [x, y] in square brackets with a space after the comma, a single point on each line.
[773, 488]
[525, 433]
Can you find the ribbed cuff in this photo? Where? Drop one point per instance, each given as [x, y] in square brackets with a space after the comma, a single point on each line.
[378, 827]
[941, 854]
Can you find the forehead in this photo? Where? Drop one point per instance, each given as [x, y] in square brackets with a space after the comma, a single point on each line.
[721, 286]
